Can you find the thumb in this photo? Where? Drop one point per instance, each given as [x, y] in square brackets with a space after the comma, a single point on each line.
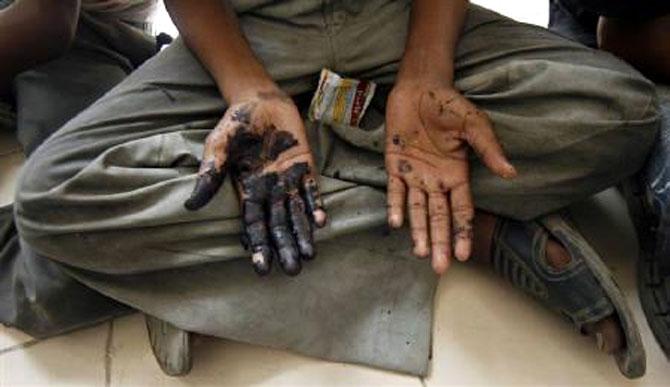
[212, 171]
[480, 136]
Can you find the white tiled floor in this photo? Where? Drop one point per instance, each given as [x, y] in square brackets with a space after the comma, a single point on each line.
[485, 333]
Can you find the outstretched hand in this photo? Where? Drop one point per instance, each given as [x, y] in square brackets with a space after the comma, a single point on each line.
[430, 129]
[261, 143]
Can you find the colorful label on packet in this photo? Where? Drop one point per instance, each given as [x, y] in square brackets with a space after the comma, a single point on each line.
[340, 101]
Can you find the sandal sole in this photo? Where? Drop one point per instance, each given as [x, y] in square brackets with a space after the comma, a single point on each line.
[631, 360]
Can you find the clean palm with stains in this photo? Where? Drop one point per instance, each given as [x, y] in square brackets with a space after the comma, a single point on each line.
[261, 143]
[430, 130]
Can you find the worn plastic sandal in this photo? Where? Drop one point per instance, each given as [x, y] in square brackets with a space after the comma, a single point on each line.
[171, 346]
[653, 264]
[584, 291]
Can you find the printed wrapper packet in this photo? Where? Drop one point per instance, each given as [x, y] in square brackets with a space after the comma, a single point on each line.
[340, 101]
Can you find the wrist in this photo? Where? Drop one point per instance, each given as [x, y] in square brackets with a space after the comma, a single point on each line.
[248, 88]
[422, 67]
[414, 79]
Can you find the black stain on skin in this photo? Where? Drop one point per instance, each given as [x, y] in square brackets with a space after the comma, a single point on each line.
[277, 205]
[249, 152]
[397, 141]
[286, 233]
[312, 198]
[463, 231]
[256, 235]
[290, 231]
[279, 143]
[242, 115]
[404, 166]
[208, 183]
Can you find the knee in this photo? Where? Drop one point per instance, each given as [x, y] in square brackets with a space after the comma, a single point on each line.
[610, 109]
[624, 128]
[636, 119]
[41, 217]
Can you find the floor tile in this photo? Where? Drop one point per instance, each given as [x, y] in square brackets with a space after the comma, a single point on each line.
[227, 363]
[487, 333]
[10, 338]
[77, 359]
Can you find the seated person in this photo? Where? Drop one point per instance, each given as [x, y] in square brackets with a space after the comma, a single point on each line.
[637, 31]
[144, 195]
[58, 57]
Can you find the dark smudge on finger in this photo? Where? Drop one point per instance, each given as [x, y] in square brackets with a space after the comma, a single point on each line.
[256, 234]
[207, 184]
[301, 226]
[314, 203]
[289, 259]
[275, 217]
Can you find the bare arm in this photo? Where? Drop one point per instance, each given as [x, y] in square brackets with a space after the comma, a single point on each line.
[33, 32]
[435, 27]
[210, 28]
[646, 45]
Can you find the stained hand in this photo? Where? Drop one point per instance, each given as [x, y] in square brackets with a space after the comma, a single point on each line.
[261, 142]
[430, 129]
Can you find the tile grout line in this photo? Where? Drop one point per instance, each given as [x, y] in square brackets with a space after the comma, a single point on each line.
[108, 354]
[23, 345]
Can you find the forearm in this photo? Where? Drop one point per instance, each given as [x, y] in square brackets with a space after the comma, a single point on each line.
[32, 32]
[435, 27]
[645, 45]
[211, 30]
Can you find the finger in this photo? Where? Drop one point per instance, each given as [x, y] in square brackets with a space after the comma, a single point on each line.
[297, 211]
[280, 231]
[440, 231]
[418, 221]
[313, 201]
[395, 197]
[463, 213]
[481, 137]
[212, 170]
[257, 237]
[301, 226]
[208, 182]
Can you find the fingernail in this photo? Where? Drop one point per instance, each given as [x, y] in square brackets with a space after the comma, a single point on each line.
[510, 171]
[395, 221]
[260, 264]
[463, 251]
[320, 217]
[440, 266]
[420, 250]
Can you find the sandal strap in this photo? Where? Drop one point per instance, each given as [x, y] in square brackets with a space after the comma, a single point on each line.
[519, 256]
